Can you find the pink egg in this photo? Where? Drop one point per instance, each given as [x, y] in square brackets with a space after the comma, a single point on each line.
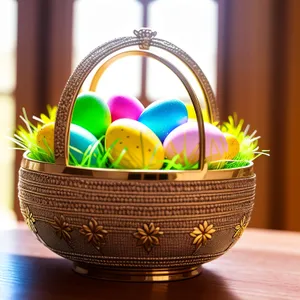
[124, 107]
[184, 140]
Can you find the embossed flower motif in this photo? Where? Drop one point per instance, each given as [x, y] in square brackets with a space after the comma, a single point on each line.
[62, 228]
[240, 228]
[148, 236]
[29, 219]
[94, 233]
[202, 234]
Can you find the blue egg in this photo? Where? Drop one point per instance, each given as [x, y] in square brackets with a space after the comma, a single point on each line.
[163, 116]
[81, 139]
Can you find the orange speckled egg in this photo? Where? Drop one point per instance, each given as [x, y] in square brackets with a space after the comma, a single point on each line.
[233, 146]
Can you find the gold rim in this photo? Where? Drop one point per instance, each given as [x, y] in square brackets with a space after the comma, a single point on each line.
[134, 275]
[157, 175]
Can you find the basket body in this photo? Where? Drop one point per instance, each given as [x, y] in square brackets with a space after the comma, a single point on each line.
[103, 222]
[139, 225]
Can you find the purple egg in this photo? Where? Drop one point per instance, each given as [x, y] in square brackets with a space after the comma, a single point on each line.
[184, 140]
[124, 107]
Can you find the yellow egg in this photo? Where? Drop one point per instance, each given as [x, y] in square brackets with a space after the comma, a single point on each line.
[139, 147]
[45, 137]
[233, 146]
[192, 113]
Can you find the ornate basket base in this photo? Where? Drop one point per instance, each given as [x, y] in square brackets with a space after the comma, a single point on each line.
[135, 275]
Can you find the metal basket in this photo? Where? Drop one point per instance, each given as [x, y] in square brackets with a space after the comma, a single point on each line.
[135, 225]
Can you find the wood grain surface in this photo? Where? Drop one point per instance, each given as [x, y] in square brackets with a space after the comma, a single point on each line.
[262, 265]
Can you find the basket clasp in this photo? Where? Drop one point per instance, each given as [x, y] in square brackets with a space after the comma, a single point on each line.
[145, 36]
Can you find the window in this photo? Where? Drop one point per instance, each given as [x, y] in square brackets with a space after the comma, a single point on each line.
[8, 29]
[96, 22]
[191, 25]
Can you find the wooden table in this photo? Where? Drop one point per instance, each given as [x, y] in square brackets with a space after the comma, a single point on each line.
[262, 265]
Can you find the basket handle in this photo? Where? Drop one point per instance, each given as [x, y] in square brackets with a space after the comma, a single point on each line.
[144, 39]
[175, 70]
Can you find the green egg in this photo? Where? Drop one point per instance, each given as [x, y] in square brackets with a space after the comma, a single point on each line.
[91, 113]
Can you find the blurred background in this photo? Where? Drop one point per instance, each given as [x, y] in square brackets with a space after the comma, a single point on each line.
[248, 49]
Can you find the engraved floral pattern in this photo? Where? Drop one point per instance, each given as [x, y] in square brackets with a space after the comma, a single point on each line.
[29, 219]
[94, 233]
[148, 236]
[202, 234]
[240, 228]
[62, 228]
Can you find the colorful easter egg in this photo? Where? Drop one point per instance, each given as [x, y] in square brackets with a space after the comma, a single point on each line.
[136, 145]
[91, 113]
[163, 116]
[81, 139]
[233, 146]
[45, 137]
[184, 140]
[124, 107]
[192, 113]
